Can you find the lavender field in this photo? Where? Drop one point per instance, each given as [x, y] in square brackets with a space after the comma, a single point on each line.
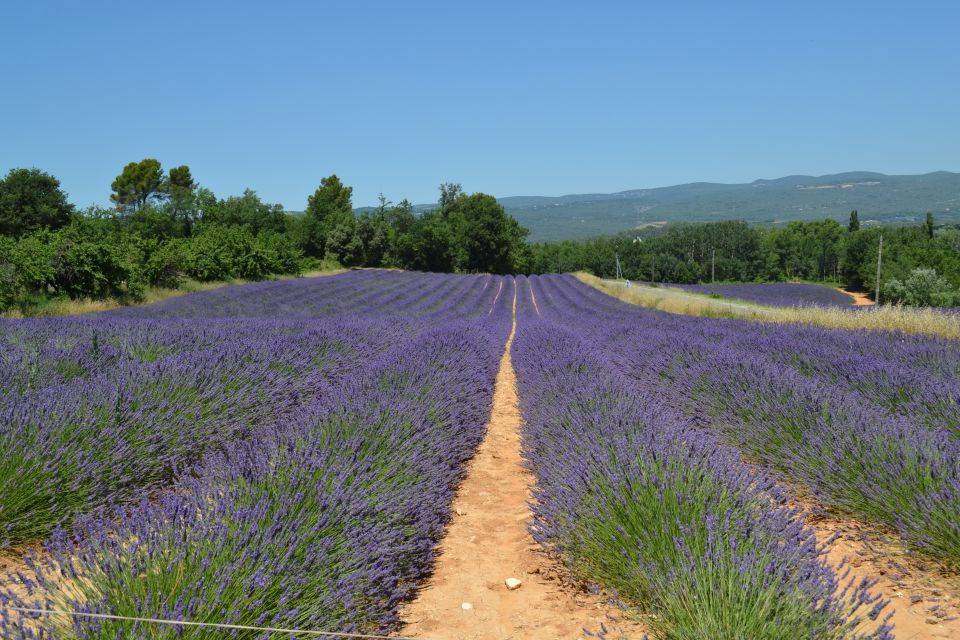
[285, 454]
[290, 449]
[777, 294]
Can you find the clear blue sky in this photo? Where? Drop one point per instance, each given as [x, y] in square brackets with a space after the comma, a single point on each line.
[519, 98]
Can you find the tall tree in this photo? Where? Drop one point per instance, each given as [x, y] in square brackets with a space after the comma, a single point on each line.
[332, 199]
[485, 238]
[929, 224]
[31, 199]
[138, 184]
[854, 221]
[449, 192]
[181, 189]
[330, 206]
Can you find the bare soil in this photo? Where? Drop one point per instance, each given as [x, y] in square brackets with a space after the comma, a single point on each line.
[860, 299]
[11, 566]
[488, 542]
[924, 596]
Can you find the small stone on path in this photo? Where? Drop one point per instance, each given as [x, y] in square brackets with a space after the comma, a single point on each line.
[466, 606]
[512, 583]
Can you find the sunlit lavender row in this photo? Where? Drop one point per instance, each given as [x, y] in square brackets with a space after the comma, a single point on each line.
[777, 294]
[635, 496]
[318, 508]
[93, 409]
[867, 423]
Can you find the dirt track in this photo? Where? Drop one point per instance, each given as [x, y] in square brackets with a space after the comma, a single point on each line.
[859, 299]
[488, 542]
[925, 599]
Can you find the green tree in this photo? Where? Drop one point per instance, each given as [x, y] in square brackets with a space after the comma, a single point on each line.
[372, 232]
[432, 240]
[31, 199]
[401, 241]
[449, 193]
[345, 245]
[330, 206]
[181, 190]
[929, 224]
[854, 224]
[152, 222]
[485, 238]
[924, 287]
[248, 210]
[138, 184]
[91, 258]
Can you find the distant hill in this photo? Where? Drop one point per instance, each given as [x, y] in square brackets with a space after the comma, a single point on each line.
[880, 199]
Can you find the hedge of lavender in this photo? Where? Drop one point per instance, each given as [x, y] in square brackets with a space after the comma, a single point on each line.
[866, 422]
[777, 294]
[322, 519]
[638, 498]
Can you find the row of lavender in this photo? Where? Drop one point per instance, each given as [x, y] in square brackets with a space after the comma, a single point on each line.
[324, 517]
[867, 423]
[94, 409]
[777, 294]
[639, 498]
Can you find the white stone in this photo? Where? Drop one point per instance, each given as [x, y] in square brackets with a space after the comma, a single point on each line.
[466, 606]
[512, 583]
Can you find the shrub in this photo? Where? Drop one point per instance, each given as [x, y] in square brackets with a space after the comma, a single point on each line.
[32, 256]
[11, 288]
[282, 256]
[214, 252]
[91, 260]
[165, 264]
[923, 288]
[224, 252]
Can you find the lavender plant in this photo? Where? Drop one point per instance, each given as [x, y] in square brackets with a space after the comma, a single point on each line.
[637, 498]
[96, 409]
[323, 522]
[777, 294]
[866, 422]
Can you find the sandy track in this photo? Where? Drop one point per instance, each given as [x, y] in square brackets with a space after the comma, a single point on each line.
[488, 542]
[859, 299]
[924, 597]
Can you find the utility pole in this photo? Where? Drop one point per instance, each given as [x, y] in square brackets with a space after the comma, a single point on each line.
[713, 267]
[879, 260]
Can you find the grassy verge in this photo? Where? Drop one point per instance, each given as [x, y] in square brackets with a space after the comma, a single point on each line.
[917, 320]
[47, 307]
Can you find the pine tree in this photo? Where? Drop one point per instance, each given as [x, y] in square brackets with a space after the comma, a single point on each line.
[854, 221]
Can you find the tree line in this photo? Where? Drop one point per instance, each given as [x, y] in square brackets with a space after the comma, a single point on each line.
[734, 251]
[164, 228]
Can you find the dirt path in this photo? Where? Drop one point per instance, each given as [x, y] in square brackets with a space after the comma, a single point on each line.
[488, 542]
[859, 299]
[925, 598]
[11, 566]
